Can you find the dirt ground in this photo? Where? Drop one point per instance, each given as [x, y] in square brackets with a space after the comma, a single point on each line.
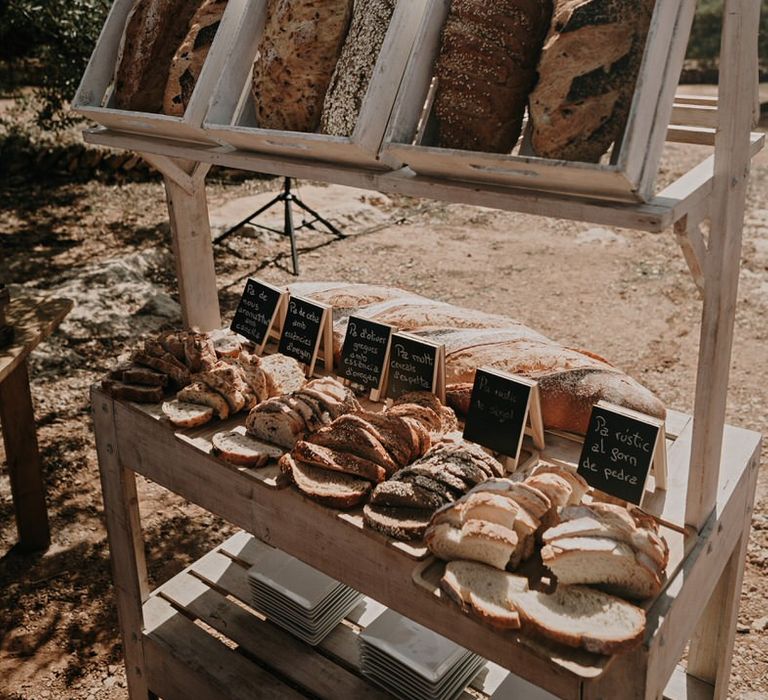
[623, 294]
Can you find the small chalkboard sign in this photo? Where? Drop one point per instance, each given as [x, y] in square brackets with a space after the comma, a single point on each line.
[259, 306]
[500, 408]
[619, 450]
[415, 365]
[365, 352]
[306, 324]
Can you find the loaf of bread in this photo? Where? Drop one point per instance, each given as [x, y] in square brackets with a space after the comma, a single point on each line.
[187, 62]
[153, 31]
[486, 70]
[570, 381]
[352, 76]
[297, 55]
[587, 75]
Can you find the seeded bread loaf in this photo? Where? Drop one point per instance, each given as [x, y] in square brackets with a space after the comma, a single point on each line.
[587, 75]
[485, 71]
[352, 75]
[570, 381]
[299, 49]
[190, 56]
[154, 30]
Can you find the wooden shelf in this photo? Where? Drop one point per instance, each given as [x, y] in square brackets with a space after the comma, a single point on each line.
[684, 196]
[131, 439]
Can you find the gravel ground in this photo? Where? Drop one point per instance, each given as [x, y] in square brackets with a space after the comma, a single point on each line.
[623, 294]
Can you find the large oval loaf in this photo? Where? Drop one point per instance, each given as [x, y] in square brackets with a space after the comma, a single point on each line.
[297, 56]
[188, 61]
[570, 381]
[486, 70]
[153, 31]
[587, 75]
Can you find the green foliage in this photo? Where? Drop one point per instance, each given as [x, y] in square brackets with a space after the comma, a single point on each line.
[705, 37]
[60, 35]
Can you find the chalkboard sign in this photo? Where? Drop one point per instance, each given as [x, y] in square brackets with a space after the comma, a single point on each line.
[619, 449]
[256, 311]
[364, 353]
[498, 411]
[303, 327]
[415, 365]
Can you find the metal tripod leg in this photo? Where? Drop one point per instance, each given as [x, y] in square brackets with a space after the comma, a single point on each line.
[291, 232]
[320, 219]
[249, 218]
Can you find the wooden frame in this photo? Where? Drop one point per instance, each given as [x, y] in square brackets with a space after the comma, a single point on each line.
[231, 119]
[700, 602]
[93, 98]
[630, 175]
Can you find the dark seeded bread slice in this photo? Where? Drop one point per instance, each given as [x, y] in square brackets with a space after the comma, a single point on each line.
[336, 460]
[132, 392]
[402, 494]
[143, 376]
[350, 434]
[401, 523]
[446, 493]
[327, 487]
[425, 415]
[394, 434]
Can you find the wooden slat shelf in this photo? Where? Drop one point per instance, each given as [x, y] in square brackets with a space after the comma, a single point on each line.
[366, 561]
[685, 195]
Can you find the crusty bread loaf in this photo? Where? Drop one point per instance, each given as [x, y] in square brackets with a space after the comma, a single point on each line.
[338, 461]
[199, 393]
[352, 75]
[351, 433]
[485, 71]
[276, 423]
[226, 380]
[284, 374]
[602, 562]
[187, 62]
[533, 500]
[570, 381]
[199, 352]
[484, 592]
[587, 76]
[579, 486]
[153, 31]
[187, 415]
[332, 489]
[299, 49]
[475, 540]
[243, 450]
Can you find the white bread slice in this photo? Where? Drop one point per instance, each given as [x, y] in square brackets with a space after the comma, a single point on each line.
[476, 541]
[491, 507]
[579, 486]
[601, 562]
[400, 523]
[243, 450]
[187, 415]
[484, 592]
[284, 374]
[600, 520]
[533, 500]
[582, 617]
[329, 488]
[199, 393]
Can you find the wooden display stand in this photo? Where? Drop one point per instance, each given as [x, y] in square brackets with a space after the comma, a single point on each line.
[713, 469]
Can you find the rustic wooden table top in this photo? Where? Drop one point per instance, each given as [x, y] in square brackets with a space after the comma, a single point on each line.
[33, 320]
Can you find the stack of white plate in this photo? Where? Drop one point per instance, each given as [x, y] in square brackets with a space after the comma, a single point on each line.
[411, 661]
[298, 598]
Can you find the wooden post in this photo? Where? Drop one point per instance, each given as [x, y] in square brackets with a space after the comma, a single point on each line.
[192, 245]
[711, 649]
[17, 417]
[727, 207]
[126, 545]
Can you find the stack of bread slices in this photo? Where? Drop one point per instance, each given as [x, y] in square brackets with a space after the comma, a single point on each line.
[608, 546]
[402, 506]
[497, 522]
[339, 464]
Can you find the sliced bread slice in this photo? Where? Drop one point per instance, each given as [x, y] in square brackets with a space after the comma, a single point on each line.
[476, 540]
[243, 450]
[332, 489]
[401, 494]
[579, 486]
[132, 392]
[400, 523]
[199, 393]
[284, 374]
[601, 562]
[351, 434]
[425, 415]
[187, 415]
[143, 376]
[484, 592]
[533, 500]
[275, 423]
[338, 461]
[578, 616]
